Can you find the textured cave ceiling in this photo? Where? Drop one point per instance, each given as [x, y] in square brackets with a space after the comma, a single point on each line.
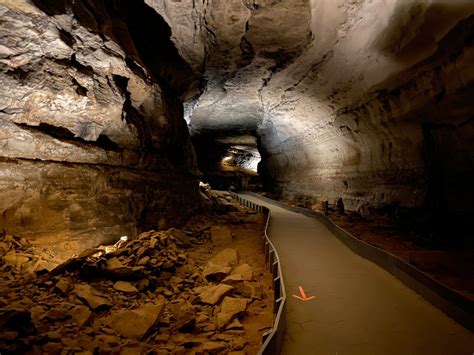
[294, 65]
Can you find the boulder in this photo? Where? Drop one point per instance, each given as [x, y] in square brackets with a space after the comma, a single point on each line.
[230, 309]
[92, 297]
[63, 285]
[215, 272]
[185, 316]
[213, 347]
[125, 287]
[134, 324]
[240, 274]
[247, 289]
[80, 315]
[213, 294]
[187, 340]
[238, 343]
[118, 269]
[245, 271]
[182, 239]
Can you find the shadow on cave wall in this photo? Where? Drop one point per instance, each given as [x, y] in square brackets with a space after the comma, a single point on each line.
[450, 170]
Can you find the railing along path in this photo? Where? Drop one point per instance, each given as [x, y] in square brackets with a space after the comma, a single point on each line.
[272, 339]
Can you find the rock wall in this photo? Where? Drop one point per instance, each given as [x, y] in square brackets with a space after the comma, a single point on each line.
[376, 127]
[93, 143]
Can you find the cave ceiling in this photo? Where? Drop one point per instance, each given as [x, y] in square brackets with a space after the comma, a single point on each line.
[290, 66]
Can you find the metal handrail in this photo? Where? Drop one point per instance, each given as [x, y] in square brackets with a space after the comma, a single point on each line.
[272, 339]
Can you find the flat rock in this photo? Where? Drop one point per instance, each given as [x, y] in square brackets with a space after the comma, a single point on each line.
[213, 347]
[187, 339]
[117, 268]
[247, 289]
[221, 235]
[143, 261]
[238, 343]
[226, 257]
[245, 271]
[94, 298]
[230, 309]
[213, 294]
[57, 314]
[80, 315]
[63, 286]
[182, 238]
[134, 324]
[125, 287]
[216, 272]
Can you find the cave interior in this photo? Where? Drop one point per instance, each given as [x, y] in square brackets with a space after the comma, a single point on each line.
[112, 112]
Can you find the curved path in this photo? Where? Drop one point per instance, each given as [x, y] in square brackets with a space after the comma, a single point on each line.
[358, 307]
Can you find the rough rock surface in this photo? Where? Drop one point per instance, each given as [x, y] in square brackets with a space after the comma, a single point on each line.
[92, 136]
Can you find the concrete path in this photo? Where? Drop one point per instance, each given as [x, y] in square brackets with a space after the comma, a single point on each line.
[359, 308]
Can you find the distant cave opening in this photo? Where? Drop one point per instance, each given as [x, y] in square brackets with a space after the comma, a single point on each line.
[229, 161]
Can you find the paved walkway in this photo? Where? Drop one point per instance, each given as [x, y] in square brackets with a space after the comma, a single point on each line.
[359, 308]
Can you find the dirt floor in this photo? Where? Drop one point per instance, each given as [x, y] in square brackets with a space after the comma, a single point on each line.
[451, 265]
[200, 289]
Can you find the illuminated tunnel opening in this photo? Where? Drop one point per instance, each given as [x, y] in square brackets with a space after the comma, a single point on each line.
[229, 162]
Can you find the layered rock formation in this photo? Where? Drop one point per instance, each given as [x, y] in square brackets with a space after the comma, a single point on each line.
[92, 137]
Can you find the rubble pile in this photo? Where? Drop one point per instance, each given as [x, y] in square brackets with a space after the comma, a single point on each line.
[145, 295]
[26, 257]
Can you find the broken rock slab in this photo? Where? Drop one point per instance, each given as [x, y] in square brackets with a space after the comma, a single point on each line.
[125, 287]
[215, 272]
[133, 324]
[185, 316]
[80, 315]
[213, 294]
[116, 268]
[247, 289]
[245, 271]
[213, 347]
[182, 238]
[63, 285]
[94, 298]
[230, 309]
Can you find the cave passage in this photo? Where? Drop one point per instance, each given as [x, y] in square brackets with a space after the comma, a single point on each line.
[229, 162]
